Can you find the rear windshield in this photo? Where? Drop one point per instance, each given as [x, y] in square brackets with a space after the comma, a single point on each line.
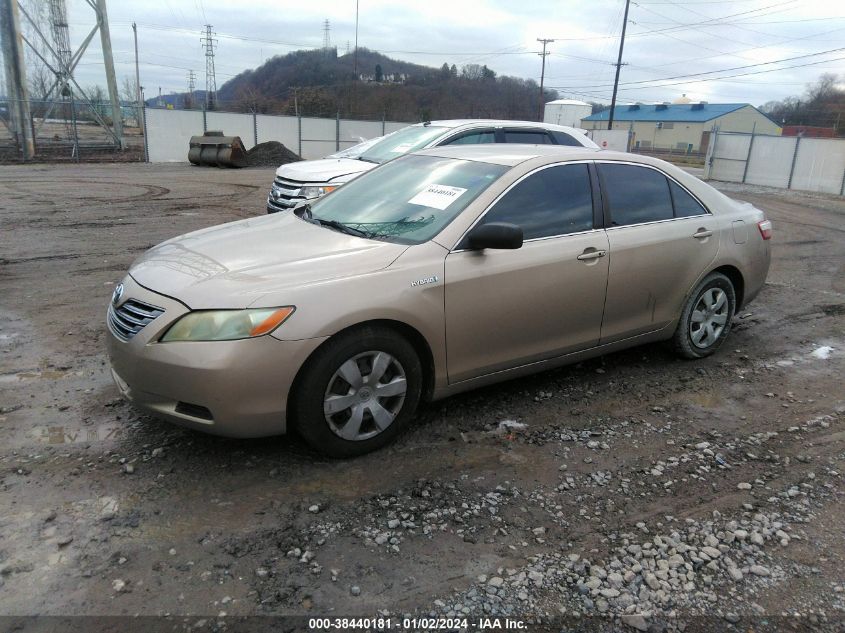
[409, 200]
[404, 141]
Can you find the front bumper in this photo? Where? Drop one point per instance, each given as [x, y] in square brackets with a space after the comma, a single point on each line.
[232, 388]
[277, 206]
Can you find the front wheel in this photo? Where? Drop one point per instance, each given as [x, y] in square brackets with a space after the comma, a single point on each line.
[706, 318]
[358, 392]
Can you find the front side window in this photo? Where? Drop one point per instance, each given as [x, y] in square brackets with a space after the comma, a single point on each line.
[528, 137]
[553, 201]
[473, 138]
[635, 194]
[404, 141]
[409, 200]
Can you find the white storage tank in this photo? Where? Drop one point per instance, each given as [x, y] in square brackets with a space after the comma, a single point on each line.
[566, 112]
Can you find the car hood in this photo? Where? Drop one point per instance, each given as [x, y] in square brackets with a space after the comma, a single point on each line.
[323, 170]
[248, 263]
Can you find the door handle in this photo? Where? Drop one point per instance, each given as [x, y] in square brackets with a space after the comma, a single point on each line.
[702, 233]
[588, 255]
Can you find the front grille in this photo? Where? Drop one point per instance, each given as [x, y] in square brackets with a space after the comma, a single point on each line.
[131, 317]
[285, 194]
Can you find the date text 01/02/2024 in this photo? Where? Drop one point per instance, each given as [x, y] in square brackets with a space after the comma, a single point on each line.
[414, 624]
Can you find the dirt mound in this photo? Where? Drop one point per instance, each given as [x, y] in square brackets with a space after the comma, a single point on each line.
[270, 154]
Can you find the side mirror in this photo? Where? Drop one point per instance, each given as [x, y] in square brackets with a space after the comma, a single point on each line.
[502, 235]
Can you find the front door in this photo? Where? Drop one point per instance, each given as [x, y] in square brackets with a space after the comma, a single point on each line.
[506, 308]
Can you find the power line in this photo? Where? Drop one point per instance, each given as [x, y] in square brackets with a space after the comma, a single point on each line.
[758, 72]
[676, 28]
[721, 70]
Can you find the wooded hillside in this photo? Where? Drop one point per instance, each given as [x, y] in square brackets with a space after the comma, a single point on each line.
[321, 83]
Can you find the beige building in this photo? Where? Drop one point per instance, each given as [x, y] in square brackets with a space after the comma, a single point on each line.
[682, 126]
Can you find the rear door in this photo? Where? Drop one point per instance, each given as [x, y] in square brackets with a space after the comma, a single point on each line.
[506, 308]
[661, 240]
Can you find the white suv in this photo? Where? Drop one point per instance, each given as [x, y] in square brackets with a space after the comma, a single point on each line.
[306, 180]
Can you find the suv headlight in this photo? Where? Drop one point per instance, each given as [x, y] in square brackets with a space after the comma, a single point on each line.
[226, 325]
[317, 191]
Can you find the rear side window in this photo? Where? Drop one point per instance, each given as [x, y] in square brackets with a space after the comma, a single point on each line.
[563, 138]
[685, 205]
[530, 137]
[553, 201]
[473, 138]
[635, 194]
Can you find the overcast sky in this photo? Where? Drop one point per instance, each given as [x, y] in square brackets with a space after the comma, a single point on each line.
[665, 39]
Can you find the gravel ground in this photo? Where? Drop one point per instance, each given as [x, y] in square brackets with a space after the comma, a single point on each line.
[652, 492]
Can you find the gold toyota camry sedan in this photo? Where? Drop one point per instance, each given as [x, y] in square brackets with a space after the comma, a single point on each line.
[432, 274]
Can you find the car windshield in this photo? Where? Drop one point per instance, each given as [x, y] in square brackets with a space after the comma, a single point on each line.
[356, 150]
[404, 141]
[408, 200]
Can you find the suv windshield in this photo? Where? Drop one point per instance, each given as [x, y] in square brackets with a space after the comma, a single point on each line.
[404, 141]
[408, 200]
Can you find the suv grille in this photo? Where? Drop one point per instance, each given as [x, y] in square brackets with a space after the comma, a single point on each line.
[128, 319]
[285, 194]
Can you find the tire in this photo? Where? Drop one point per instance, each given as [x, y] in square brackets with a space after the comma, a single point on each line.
[706, 317]
[337, 410]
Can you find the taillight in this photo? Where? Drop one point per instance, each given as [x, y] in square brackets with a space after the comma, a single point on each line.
[765, 229]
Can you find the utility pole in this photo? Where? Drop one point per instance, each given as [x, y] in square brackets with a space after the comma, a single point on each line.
[10, 29]
[111, 80]
[208, 42]
[618, 66]
[541, 102]
[356, 40]
[138, 82]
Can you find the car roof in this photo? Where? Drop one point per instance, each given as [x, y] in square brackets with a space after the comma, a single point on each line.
[511, 154]
[455, 123]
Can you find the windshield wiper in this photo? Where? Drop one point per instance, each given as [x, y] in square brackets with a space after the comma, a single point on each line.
[369, 160]
[343, 228]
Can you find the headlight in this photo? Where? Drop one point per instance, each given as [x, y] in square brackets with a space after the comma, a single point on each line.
[226, 325]
[316, 192]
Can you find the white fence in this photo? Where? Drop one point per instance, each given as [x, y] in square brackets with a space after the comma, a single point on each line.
[616, 140]
[169, 131]
[787, 162]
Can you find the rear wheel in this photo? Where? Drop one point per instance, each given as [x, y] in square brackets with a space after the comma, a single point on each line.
[358, 392]
[706, 318]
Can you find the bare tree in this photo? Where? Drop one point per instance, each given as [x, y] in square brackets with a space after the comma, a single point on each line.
[824, 88]
[472, 72]
[129, 90]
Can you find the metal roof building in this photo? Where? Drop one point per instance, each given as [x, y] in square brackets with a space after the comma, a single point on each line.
[682, 126]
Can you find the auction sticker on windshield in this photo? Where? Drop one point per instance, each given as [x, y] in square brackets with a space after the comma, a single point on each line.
[437, 196]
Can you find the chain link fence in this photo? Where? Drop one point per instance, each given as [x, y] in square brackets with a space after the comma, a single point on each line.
[73, 130]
